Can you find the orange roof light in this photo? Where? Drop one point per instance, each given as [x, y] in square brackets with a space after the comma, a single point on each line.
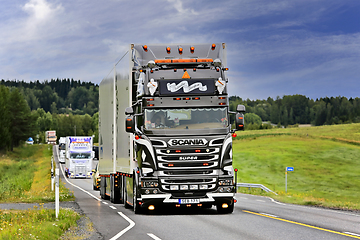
[163, 61]
[213, 46]
[145, 47]
[204, 60]
[192, 49]
[186, 60]
[168, 50]
[180, 50]
[183, 60]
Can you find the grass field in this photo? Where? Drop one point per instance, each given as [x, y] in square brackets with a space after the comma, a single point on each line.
[25, 177]
[326, 163]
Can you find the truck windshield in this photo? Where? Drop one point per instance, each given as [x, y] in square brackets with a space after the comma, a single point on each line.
[186, 118]
[80, 155]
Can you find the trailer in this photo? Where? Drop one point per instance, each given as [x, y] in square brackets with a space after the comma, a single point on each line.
[79, 156]
[164, 132]
[50, 137]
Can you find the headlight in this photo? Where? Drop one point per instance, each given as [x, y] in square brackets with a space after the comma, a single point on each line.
[227, 182]
[174, 187]
[149, 184]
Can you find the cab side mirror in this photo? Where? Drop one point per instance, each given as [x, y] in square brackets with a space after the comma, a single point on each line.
[239, 117]
[129, 111]
[129, 121]
[130, 124]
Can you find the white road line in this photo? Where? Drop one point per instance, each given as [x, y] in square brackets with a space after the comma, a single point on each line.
[352, 234]
[132, 224]
[105, 203]
[269, 215]
[153, 236]
[260, 200]
[62, 170]
[277, 202]
[112, 207]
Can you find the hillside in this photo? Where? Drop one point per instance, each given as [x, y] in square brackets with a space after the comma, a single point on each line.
[326, 160]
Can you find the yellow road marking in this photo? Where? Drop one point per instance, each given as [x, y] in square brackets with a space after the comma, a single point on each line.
[302, 224]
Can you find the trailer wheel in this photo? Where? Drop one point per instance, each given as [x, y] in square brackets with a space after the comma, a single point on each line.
[126, 204]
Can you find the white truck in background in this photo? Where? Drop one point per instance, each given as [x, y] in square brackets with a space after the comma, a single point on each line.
[50, 137]
[79, 156]
[62, 143]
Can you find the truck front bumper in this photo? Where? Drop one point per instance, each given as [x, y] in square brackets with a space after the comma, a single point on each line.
[168, 199]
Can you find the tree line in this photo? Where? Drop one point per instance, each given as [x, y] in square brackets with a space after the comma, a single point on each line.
[71, 108]
[20, 119]
[299, 109]
[59, 95]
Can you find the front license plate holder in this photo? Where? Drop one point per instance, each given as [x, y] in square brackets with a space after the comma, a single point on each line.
[189, 201]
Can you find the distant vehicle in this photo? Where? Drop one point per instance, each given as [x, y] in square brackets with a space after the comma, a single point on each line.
[79, 156]
[62, 149]
[164, 132]
[96, 178]
[96, 151]
[50, 137]
[30, 141]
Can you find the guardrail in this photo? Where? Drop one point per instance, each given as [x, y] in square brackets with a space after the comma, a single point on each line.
[252, 185]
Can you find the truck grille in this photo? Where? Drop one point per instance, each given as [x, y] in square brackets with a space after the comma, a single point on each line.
[173, 161]
[80, 171]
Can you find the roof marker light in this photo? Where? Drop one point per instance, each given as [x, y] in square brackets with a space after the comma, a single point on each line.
[168, 50]
[180, 50]
[213, 46]
[145, 47]
[192, 49]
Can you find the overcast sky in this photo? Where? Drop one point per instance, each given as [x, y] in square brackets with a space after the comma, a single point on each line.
[274, 47]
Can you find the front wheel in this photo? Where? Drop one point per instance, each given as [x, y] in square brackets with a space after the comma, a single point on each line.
[137, 207]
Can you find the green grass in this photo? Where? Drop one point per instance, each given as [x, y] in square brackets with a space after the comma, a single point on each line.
[327, 165]
[35, 224]
[26, 177]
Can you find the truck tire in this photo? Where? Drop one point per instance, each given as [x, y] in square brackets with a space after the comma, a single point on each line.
[126, 204]
[136, 206]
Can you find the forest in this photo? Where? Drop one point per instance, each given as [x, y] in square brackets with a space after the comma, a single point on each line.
[28, 109]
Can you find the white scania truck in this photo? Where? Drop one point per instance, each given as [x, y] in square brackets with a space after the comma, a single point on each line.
[79, 156]
[164, 130]
[62, 149]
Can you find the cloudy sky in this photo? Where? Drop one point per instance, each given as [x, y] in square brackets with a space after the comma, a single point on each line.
[275, 47]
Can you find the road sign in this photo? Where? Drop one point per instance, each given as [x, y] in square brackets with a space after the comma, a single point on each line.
[289, 169]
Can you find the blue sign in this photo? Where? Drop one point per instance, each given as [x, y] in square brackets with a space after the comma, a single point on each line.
[289, 169]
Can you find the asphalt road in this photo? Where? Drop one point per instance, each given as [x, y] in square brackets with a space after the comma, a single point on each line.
[254, 217]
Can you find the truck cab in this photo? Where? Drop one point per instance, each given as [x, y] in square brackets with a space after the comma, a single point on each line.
[178, 125]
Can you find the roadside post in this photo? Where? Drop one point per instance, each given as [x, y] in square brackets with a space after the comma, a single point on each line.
[287, 169]
[52, 174]
[57, 192]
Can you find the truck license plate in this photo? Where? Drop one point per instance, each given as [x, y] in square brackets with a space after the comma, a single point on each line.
[189, 201]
